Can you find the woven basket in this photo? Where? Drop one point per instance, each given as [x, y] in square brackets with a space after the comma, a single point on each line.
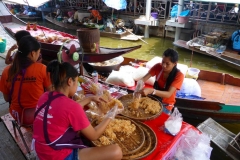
[212, 39]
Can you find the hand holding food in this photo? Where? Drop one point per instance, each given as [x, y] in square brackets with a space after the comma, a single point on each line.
[112, 113]
[147, 91]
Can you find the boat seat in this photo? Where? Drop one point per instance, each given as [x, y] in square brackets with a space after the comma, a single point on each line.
[26, 121]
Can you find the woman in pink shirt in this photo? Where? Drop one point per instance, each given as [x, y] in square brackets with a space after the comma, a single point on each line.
[57, 115]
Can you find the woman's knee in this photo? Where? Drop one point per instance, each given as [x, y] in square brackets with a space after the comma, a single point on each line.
[116, 151]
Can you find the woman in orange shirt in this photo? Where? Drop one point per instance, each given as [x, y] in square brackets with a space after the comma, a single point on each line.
[24, 81]
[168, 80]
[95, 15]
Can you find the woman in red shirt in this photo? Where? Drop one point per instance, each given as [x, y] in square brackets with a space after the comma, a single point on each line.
[55, 118]
[168, 80]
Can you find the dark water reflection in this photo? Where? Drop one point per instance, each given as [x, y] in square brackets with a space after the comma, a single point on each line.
[156, 47]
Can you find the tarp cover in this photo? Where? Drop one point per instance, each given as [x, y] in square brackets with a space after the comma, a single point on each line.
[33, 3]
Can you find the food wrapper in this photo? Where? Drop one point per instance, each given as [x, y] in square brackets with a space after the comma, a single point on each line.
[90, 87]
[78, 97]
[98, 111]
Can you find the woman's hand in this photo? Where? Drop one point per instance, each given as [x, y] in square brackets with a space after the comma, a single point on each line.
[96, 99]
[147, 91]
[15, 46]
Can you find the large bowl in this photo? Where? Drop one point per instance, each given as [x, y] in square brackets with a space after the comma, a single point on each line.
[108, 68]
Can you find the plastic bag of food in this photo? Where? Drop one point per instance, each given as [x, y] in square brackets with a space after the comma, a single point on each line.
[103, 109]
[174, 123]
[90, 87]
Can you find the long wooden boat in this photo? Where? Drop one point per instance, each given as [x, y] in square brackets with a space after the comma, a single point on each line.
[230, 57]
[221, 137]
[61, 24]
[49, 49]
[221, 93]
[27, 17]
[123, 36]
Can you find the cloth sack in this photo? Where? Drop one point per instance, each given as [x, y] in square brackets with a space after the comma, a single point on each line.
[121, 79]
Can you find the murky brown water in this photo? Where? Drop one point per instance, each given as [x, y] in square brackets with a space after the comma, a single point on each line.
[156, 47]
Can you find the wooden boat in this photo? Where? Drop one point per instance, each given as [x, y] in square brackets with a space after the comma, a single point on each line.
[221, 93]
[221, 137]
[230, 57]
[49, 50]
[61, 24]
[27, 17]
[123, 36]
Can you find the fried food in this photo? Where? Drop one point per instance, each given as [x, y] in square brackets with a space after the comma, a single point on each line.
[146, 103]
[109, 102]
[117, 129]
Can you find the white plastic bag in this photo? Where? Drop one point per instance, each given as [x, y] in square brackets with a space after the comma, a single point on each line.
[121, 79]
[174, 123]
[190, 87]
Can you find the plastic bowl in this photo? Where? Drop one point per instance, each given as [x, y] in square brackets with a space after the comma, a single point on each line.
[108, 68]
[193, 71]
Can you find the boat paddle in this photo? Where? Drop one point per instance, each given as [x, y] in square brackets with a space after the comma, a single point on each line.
[120, 24]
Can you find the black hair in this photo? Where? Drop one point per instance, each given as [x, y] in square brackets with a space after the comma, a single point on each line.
[173, 55]
[21, 34]
[60, 73]
[27, 44]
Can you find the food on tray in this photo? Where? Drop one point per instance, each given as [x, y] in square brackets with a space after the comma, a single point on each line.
[117, 130]
[110, 62]
[140, 108]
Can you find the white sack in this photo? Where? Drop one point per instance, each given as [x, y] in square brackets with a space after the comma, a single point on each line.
[140, 73]
[121, 79]
[190, 87]
[127, 69]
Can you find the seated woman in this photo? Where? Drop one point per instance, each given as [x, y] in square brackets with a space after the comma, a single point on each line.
[95, 15]
[168, 80]
[64, 115]
[24, 81]
[10, 56]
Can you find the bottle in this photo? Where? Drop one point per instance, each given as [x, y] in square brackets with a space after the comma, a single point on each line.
[95, 76]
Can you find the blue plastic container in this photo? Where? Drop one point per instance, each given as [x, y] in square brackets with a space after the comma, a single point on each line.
[154, 15]
[3, 45]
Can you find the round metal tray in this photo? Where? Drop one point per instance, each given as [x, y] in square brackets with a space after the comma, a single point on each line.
[149, 146]
[145, 116]
[130, 144]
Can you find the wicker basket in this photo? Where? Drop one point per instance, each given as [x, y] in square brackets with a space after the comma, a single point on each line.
[126, 99]
[212, 39]
[130, 144]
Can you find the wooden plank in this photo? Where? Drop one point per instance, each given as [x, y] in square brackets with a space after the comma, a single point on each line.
[27, 133]
[9, 150]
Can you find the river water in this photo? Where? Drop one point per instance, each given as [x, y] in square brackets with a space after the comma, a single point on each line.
[156, 47]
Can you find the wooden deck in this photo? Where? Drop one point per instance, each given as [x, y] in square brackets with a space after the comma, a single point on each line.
[214, 91]
[27, 133]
